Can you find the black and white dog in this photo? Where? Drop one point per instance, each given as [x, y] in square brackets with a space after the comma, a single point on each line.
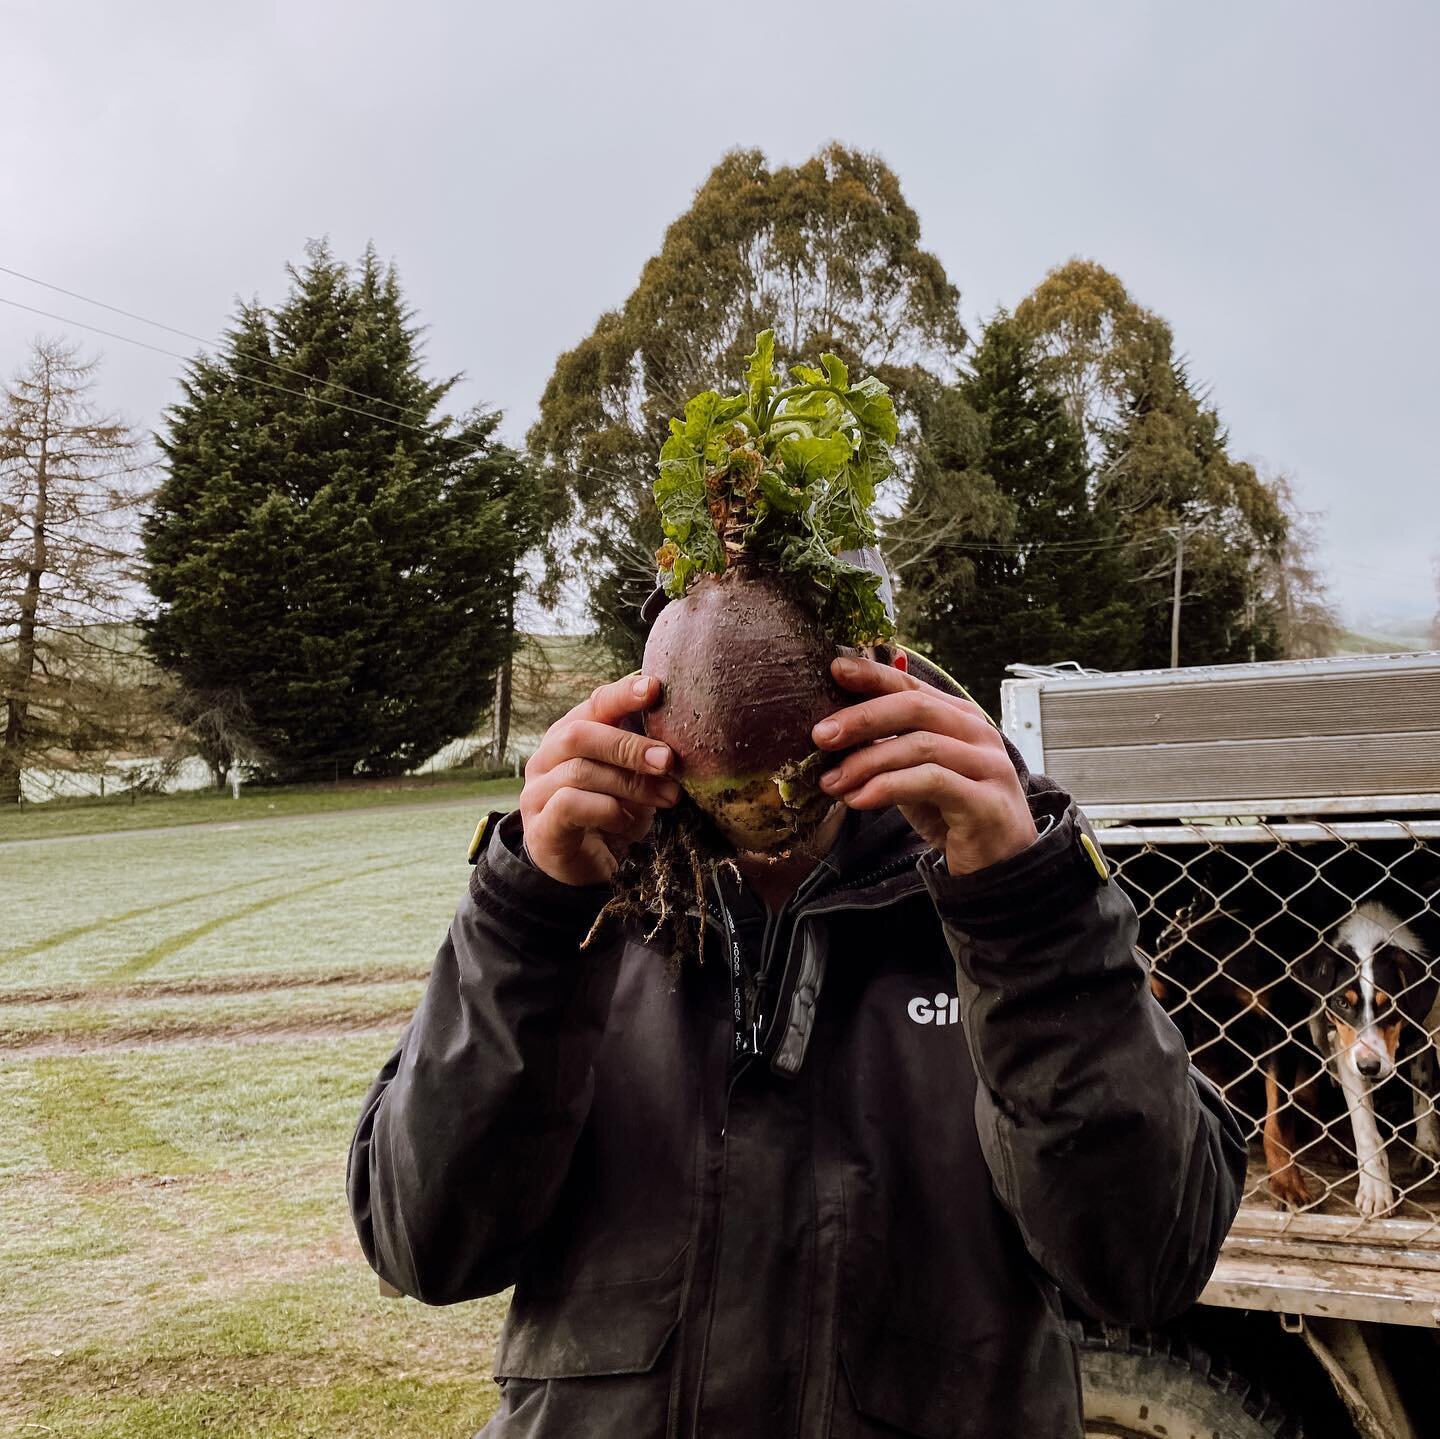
[1376, 1013]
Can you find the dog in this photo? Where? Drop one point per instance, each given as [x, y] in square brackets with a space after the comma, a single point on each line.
[1239, 1007]
[1375, 1013]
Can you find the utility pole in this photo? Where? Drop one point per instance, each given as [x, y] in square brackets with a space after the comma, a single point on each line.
[1179, 531]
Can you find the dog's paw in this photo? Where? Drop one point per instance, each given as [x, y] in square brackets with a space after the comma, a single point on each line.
[1427, 1138]
[1374, 1196]
[1288, 1189]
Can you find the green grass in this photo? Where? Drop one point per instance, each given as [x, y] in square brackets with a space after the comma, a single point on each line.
[375, 1409]
[188, 1023]
[60, 817]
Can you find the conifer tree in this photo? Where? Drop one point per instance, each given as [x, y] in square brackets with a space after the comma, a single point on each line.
[1162, 478]
[332, 556]
[1051, 588]
[1171, 485]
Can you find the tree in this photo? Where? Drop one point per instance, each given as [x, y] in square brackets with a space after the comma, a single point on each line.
[827, 254]
[1198, 524]
[1289, 580]
[71, 485]
[1093, 342]
[334, 560]
[1052, 587]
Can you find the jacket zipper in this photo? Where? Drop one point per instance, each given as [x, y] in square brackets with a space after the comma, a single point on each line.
[746, 1058]
[774, 924]
[888, 871]
[747, 1010]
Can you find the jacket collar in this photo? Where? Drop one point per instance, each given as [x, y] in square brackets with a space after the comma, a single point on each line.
[874, 848]
[871, 863]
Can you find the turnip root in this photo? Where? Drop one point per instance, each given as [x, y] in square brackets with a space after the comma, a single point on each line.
[746, 673]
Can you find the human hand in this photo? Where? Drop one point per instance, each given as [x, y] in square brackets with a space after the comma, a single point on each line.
[935, 756]
[593, 787]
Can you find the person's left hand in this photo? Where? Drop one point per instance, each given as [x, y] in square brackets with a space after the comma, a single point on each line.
[935, 756]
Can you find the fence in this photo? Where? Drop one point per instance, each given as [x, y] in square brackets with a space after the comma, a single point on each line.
[1297, 960]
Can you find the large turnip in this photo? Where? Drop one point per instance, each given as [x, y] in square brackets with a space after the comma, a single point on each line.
[760, 494]
[745, 668]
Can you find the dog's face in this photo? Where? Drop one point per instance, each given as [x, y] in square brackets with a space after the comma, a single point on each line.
[1373, 987]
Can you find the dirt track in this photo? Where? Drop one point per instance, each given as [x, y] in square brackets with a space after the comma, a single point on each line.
[123, 1040]
[219, 984]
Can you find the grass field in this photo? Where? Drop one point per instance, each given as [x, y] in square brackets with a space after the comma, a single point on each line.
[153, 811]
[189, 1018]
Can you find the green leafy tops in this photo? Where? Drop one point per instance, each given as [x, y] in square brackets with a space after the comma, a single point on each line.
[783, 475]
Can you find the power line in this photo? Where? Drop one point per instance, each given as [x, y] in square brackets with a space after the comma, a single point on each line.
[984, 547]
[967, 546]
[1074, 547]
[185, 334]
[430, 433]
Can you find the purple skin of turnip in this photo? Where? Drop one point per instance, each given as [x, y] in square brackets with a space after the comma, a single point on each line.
[745, 675]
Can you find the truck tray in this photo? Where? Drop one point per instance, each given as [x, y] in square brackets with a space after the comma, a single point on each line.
[1331, 1261]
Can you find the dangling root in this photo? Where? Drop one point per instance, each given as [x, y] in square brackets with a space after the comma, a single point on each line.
[661, 884]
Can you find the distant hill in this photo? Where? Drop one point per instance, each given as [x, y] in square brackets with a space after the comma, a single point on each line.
[1397, 627]
[1387, 631]
[1353, 643]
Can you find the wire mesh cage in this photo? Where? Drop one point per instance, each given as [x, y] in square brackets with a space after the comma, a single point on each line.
[1299, 962]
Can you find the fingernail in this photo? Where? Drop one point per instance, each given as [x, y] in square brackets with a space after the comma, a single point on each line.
[830, 779]
[641, 687]
[825, 731]
[670, 790]
[843, 662]
[657, 756]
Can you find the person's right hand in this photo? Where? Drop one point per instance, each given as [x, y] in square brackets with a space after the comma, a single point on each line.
[593, 787]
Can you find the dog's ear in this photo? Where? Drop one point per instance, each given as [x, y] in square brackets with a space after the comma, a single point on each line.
[1319, 970]
[1418, 991]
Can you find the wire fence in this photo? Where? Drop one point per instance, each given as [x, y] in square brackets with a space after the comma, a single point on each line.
[1299, 962]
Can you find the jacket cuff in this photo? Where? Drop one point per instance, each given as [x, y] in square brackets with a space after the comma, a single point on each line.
[505, 882]
[1026, 891]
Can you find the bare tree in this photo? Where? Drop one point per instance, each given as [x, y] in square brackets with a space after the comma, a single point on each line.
[1293, 581]
[71, 485]
[217, 726]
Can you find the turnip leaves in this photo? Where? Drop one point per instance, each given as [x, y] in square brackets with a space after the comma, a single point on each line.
[785, 474]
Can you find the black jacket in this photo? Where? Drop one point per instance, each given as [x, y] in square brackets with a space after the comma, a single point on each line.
[861, 1230]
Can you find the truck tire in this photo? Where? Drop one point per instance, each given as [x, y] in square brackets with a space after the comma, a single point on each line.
[1148, 1386]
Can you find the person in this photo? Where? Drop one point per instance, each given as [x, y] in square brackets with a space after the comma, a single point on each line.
[835, 1179]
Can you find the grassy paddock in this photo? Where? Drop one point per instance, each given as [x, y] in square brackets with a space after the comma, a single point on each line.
[188, 1022]
[60, 817]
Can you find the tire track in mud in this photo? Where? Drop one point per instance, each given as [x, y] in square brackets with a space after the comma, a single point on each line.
[114, 991]
[125, 1041]
[148, 959]
[259, 983]
[80, 931]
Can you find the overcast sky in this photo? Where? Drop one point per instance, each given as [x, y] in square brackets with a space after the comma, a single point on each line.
[1263, 175]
